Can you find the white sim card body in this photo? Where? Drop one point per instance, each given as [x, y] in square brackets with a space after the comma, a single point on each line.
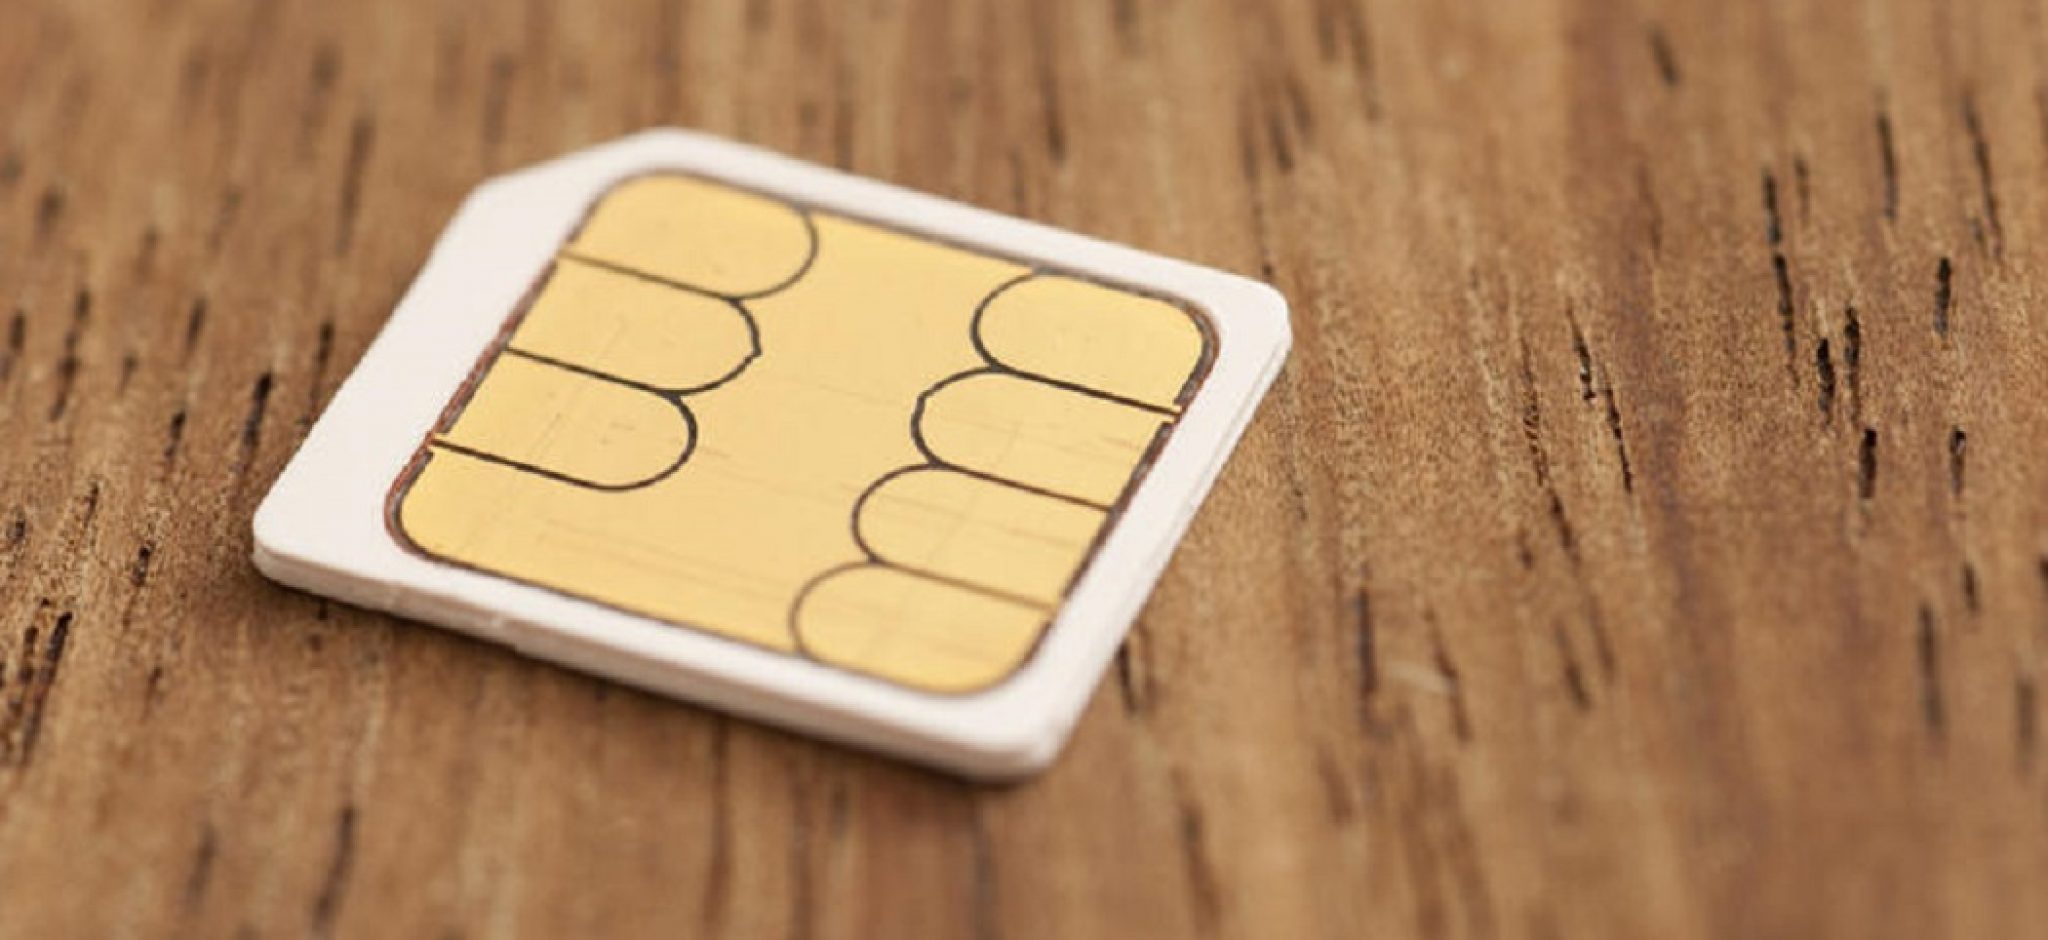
[758, 434]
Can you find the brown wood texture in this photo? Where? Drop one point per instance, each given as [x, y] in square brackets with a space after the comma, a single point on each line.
[1649, 536]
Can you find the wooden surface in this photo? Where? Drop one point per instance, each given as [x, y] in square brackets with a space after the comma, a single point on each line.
[1649, 536]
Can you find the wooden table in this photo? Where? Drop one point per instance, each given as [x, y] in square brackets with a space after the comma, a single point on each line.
[1649, 536]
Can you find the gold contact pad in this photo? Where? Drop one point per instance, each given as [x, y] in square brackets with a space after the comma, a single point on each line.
[804, 432]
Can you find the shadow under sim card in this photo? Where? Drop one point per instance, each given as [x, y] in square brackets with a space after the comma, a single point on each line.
[755, 433]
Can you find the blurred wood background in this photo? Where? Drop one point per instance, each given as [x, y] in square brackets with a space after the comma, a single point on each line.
[1649, 536]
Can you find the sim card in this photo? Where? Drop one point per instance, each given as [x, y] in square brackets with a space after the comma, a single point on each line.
[810, 448]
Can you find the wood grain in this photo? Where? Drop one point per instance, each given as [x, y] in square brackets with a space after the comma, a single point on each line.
[1649, 536]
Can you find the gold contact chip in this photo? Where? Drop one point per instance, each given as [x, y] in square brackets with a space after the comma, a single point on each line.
[805, 432]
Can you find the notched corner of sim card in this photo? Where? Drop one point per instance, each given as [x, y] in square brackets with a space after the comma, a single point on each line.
[286, 547]
[284, 540]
